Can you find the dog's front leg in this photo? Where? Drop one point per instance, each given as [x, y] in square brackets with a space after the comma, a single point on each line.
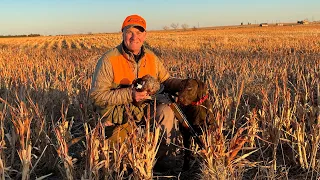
[187, 152]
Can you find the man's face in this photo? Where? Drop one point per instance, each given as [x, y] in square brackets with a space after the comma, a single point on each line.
[133, 39]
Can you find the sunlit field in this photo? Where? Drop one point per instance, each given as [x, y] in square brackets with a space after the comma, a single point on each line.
[264, 84]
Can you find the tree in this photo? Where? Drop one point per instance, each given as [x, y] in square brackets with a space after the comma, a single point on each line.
[184, 26]
[194, 28]
[175, 25]
[165, 28]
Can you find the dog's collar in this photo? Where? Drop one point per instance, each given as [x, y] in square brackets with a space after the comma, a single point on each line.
[200, 101]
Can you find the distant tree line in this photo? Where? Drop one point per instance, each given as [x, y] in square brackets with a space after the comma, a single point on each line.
[22, 35]
[175, 26]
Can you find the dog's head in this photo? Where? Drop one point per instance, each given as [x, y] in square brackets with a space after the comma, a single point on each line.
[191, 90]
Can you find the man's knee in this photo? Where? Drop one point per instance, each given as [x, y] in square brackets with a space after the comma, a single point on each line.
[164, 114]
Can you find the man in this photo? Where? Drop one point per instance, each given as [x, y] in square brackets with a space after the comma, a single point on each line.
[112, 92]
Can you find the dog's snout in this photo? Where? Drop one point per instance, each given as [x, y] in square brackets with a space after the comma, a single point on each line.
[182, 100]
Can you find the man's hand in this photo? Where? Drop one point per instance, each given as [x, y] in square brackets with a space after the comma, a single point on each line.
[139, 96]
[108, 123]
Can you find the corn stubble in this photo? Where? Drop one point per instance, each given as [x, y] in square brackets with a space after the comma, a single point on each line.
[263, 84]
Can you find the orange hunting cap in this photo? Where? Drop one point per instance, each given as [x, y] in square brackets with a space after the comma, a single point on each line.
[134, 20]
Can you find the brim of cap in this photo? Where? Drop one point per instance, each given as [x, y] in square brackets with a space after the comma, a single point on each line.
[134, 25]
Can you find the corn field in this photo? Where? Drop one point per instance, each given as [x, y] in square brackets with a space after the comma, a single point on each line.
[264, 84]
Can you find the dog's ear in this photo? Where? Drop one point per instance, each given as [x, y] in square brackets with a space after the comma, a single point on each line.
[202, 89]
[182, 84]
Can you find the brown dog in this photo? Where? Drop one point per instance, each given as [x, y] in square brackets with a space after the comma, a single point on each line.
[194, 102]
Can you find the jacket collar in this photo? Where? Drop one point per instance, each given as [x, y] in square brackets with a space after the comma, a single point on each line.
[129, 55]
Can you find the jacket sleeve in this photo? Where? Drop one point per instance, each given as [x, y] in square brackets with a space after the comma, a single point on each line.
[102, 92]
[170, 84]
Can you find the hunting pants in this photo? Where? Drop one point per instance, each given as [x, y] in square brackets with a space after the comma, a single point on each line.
[164, 117]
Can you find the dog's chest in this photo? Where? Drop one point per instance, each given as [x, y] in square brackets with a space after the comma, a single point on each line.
[194, 114]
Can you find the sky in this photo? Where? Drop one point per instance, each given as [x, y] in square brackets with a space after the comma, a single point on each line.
[56, 17]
